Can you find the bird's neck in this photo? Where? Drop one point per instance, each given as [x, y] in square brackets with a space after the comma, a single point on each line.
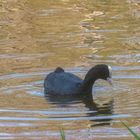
[87, 86]
[89, 80]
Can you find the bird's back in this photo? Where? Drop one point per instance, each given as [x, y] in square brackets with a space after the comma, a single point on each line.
[62, 83]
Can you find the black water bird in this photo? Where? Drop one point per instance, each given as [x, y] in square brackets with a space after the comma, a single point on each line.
[60, 82]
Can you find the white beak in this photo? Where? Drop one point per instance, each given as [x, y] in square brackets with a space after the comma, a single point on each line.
[110, 81]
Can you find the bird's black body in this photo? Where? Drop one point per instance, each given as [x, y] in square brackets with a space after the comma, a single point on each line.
[60, 82]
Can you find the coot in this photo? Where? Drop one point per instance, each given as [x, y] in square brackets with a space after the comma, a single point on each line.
[60, 82]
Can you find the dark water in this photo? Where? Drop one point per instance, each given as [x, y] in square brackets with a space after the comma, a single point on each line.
[38, 35]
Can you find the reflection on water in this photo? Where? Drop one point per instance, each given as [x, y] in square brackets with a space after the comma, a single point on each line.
[94, 110]
[37, 36]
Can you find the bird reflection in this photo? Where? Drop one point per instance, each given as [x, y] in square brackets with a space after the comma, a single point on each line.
[103, 110]
[94, 110]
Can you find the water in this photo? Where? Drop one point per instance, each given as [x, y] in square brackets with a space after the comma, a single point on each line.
[37, 36]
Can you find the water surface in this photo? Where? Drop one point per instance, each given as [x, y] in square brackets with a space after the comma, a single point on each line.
[36, 36]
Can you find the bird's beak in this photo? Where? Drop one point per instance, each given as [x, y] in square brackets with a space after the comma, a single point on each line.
[110, 81]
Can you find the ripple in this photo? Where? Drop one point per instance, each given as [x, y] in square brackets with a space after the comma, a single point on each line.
[27, 87]
[44, 112]
[106, 132]
[127, 77]
[5, 118]
[48, 12]
[15, 124]
[23, 56]
[22, 75]
[112, 59]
